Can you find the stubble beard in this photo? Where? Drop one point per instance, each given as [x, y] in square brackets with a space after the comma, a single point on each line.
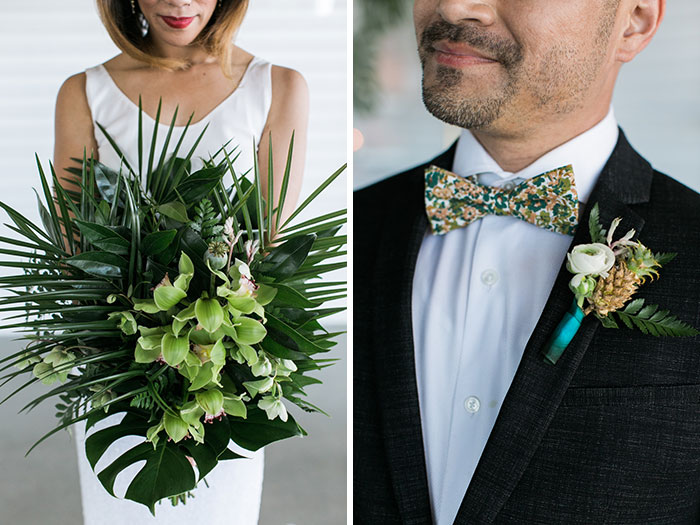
[556, 85]
[444, 99]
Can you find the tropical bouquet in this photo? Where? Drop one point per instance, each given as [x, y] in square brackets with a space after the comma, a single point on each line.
[158, 293]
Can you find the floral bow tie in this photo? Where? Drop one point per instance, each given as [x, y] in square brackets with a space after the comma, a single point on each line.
[548, 200]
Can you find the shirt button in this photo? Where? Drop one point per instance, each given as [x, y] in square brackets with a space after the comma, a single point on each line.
[489, 277]
[472, 404]
[509, 186]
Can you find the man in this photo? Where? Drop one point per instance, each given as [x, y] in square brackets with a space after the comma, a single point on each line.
[458, 416]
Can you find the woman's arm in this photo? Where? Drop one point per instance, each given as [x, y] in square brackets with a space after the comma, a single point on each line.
[289, 112]
[74, 131]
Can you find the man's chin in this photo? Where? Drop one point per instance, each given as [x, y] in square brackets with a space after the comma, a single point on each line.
[461, 109]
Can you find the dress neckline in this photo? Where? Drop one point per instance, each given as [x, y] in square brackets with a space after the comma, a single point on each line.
[204, 119]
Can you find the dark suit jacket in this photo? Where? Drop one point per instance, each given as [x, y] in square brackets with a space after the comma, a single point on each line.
[610, 434]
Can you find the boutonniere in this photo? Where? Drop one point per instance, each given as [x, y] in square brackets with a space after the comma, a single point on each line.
[607, 274]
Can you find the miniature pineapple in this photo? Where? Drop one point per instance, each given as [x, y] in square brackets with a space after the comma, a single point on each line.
[613, 292]
[642, 262]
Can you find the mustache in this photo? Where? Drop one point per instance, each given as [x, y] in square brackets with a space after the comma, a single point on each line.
[507, 52]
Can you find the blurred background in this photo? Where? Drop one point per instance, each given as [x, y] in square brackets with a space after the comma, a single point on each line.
[41, 44]
[657, 99]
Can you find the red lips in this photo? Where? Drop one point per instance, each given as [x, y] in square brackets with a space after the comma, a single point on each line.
[178, 22]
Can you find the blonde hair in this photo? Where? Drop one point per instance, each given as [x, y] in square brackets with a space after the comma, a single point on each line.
[125, 30]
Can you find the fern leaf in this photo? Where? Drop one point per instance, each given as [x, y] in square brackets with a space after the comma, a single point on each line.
[634, 306]
[608, 322]
[597, 231]
[647, 311]
[658, 323]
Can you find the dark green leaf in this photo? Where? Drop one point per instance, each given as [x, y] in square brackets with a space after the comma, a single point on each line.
[174, 210]
[199, 185]
[101, 264]
[104, 237]
[167, 472]
[106, 180]
[97, 443]
[286, 259]
[154, 243]
[257, 430]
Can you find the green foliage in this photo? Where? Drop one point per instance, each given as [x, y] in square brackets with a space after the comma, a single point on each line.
[596, 229]
[650, 320]
[125, 310]
[206, 222]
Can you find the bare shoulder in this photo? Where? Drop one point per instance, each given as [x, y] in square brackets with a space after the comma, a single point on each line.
[72, 98]
[72, 88]
[288, 83]
[73, 123]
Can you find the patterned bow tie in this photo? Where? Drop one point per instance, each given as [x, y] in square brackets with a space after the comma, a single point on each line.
[549, 200]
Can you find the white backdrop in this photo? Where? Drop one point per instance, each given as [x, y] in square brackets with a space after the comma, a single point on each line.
[657, 103]
[45, 41]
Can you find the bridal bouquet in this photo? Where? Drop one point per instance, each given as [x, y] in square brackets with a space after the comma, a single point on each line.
[188, 307]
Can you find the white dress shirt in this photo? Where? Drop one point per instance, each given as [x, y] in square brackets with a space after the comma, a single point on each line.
[478, 293]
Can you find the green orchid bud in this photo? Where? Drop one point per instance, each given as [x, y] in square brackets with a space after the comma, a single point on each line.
[273, 407]
[166, 295]
[249, 331]
[261, 386]
[175, 427]
[209, 314]
[58, 356]
[44, 371]
[263, 367]
[211, 401]
[191, 413]
[234, 406]
[27, 360]
[582, 285]
[285, 367]
[152, 433]
[103, 399]
[126, 321]
[248, 353]
[175, 349]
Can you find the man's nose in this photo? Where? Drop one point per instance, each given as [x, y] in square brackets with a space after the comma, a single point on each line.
[460, 11]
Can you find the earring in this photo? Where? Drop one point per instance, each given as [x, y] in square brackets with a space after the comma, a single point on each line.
[219, 4]
[133, 7]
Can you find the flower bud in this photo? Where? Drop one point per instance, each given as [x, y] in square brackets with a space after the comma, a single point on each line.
[211, 401]
[582, 285]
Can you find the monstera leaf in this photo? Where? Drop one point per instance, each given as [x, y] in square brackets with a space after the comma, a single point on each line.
[167, 471]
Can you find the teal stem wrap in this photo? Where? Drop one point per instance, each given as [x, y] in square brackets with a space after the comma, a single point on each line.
[563, 334]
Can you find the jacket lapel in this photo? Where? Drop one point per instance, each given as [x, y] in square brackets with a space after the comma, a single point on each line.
[400, 241]
[538, 386]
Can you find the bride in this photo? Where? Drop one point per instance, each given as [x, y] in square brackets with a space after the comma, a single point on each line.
[181, 52]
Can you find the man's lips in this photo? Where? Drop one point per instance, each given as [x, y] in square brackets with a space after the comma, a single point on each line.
[459, 55]
[177, 22]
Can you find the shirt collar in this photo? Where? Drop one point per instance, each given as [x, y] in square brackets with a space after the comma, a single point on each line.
[587, 153]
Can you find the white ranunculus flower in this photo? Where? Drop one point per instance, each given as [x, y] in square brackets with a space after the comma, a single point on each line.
[590, 259]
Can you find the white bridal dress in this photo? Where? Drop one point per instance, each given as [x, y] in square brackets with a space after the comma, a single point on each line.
[235, 486]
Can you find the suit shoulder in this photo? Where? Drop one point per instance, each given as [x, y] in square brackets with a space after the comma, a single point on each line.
[675, 197]
[373, 202]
